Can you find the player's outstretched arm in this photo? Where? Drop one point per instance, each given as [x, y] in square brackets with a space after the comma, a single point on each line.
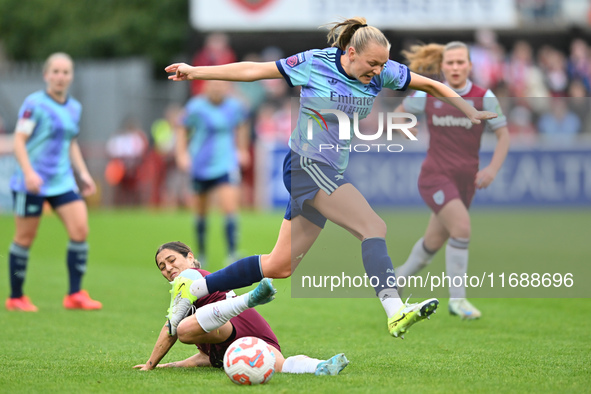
[198, 360]
[162, 346]
[241, 72]
[446, 94]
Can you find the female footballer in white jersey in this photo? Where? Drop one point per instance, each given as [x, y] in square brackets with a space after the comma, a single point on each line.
[47, 152]
[450, 174]
[354, 69]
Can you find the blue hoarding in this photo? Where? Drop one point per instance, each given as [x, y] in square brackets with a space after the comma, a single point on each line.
[529, 177]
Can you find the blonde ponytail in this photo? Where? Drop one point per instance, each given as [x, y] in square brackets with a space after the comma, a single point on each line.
[355, 32]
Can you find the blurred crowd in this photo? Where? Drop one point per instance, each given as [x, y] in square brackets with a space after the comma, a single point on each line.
[543, 92]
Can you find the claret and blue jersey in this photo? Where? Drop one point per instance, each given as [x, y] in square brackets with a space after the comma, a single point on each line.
[326, 85]
[48, 147]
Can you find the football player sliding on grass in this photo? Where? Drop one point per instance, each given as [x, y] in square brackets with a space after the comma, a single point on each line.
[213, 322]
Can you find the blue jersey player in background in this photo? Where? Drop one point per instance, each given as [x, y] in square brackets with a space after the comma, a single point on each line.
[212, 145]
[347, 76]
[47, 153]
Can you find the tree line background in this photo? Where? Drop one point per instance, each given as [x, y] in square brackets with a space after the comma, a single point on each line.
[30, 30]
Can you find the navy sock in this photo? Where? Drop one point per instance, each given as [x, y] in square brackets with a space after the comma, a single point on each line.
[231, 227]
[200, 230]
[17, 268]
[242, 273]
[77, 257]
[378, 264]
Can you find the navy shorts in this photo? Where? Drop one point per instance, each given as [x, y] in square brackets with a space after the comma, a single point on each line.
[31, 205]
[303, 178]
[204, 185]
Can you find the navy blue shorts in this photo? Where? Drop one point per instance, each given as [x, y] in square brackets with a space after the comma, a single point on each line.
[303, 178]
[31, 205]
[204, 185]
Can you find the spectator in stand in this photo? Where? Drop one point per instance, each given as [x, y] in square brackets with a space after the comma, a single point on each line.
[559, 125]
[521, 127]
[252, 93]
[522, 76]
[126, 150]
[579, 102]
[215, 51]
[273, 123]
[579, 62]
[553, 65]
[487, 59]
[168, 189]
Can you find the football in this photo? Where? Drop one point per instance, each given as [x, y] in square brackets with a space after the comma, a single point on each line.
[249, 361]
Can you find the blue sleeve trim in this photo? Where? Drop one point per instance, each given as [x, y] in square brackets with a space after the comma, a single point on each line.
[282, 71]
[407, 80]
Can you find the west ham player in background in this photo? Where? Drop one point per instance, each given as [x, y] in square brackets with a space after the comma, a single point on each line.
[47, 152]
[450, 175]
[355, 69]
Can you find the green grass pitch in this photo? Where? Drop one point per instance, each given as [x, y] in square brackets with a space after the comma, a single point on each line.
[520, 345]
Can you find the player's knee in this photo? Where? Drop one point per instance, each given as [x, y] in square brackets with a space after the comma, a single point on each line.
[375, 227]
[26, 238]
[183, 332]
[276, 265]
[461, 230]
[79, 233]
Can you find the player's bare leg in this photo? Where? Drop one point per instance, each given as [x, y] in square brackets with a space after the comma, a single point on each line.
[295, 239]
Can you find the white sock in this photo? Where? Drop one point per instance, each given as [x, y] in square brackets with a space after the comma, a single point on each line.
[199, 288]
[418, 259]
[390, 301]
[300, 364]
[456, 264]
[215, 315]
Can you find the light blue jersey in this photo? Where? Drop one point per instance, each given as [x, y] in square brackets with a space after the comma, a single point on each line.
[53, 126]
[326, 85]
[212, 136]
